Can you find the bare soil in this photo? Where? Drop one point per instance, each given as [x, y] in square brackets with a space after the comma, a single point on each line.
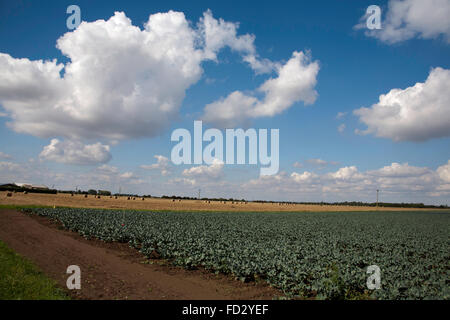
[113, 270]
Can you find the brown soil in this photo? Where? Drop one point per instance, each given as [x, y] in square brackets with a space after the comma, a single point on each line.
[115, 271]
[79, 201]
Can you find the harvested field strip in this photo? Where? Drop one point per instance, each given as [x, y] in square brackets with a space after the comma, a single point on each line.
[157, 204]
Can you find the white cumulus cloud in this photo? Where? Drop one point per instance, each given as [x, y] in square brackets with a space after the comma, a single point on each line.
[112, 176]
[121, 81]
[162, 164]
[297, 164]
[217, 33]
[347, 173]
[399, 170]
[407, 19]
[303, 177]
[341, 115]
[417, 113]
[5, 156]
[396, 182]
[320, 163]
[444, 172]
[295, 82]
[75, 152]
[214, 170]
[9, 166]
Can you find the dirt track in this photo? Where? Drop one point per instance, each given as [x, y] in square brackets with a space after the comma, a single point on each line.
[79, 201]
[114, 271]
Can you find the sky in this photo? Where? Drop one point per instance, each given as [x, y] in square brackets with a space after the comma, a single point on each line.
[357, 109]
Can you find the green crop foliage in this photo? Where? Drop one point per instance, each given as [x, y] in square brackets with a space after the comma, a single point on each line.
[306, 255]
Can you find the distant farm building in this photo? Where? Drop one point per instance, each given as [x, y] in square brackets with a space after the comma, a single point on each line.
[31, 186]
[21, 187]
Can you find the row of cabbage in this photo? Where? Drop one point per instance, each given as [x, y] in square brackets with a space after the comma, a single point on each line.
[319, 255]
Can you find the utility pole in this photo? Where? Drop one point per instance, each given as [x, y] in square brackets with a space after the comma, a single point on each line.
[377, 196]
[199, 190]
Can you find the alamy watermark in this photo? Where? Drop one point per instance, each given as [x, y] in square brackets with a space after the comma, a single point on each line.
[74, 20]
[374, 280]
[74, 280]
[235, 152]
[373, 14]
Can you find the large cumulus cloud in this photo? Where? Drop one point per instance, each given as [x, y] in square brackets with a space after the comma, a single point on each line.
[121, 81]
[417, 113]
[407, 19]
[124, 82]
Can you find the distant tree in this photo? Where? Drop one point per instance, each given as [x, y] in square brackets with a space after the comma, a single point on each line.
[104, 193]
[92, 192]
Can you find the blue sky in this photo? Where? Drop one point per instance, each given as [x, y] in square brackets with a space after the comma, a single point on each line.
[356, 67]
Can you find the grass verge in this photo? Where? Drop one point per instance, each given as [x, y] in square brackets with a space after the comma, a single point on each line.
[21, 280]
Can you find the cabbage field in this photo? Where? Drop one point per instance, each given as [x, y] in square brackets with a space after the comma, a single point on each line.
[306, 255]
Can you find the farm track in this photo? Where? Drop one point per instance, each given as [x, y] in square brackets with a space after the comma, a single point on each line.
[114, 271]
